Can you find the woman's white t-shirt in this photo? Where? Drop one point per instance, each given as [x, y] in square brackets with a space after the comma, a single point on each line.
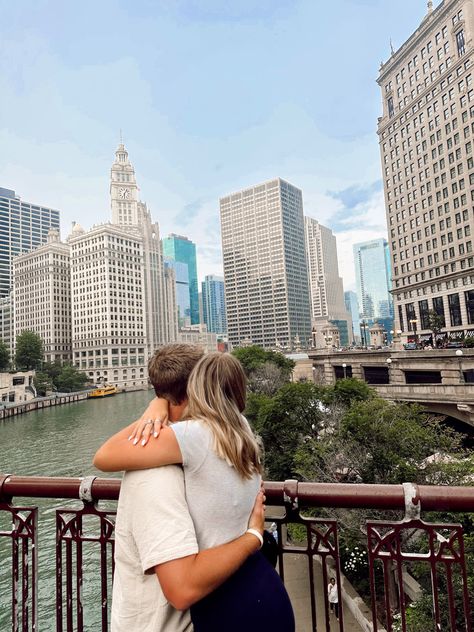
[219, 499]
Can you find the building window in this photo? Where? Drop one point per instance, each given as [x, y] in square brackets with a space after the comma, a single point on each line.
[391, 110]
[460, 42]
[410, 312]
[454, 310]
[423, 308]
[469, 297]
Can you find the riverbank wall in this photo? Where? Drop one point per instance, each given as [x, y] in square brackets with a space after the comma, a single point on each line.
[42, 402]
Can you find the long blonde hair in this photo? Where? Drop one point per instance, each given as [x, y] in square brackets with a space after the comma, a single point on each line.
[216, 395]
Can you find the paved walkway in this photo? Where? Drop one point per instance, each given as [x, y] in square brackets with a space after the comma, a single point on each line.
[297, 584]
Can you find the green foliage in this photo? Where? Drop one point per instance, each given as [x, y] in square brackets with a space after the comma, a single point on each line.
[254, 356]
[469, 342]
[29, 351]
[435, 322]
[64, 377]
[4, 356]
[350, 390]
[43, 383]
[255, 401]
[291, 417]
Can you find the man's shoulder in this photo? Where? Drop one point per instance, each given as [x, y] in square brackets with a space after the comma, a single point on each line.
[165, 472]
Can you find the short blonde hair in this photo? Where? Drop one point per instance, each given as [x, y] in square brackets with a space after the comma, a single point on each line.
[169, 369]
[217, 391]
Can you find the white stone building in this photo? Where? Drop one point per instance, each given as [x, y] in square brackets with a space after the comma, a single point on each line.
[265, 274]
[17, 387]
[325, 285]
[426, 135]
[108, 301]
[198, 335]
[42, 297]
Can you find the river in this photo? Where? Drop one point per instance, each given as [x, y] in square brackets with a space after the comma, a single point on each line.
[58, 441]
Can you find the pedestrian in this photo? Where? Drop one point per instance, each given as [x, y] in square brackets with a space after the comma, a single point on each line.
[333, 597]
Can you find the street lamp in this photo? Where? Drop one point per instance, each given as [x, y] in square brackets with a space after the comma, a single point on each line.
[389, 364]
[363, 329]
[459, 355]
[344, 366]
[414, 323]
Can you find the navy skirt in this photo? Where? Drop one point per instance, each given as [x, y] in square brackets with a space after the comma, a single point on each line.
[252, 600]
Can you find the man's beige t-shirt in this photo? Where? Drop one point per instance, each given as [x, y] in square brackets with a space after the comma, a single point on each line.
[153, 526]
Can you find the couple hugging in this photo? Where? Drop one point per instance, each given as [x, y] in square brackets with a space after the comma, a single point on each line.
[186, 551]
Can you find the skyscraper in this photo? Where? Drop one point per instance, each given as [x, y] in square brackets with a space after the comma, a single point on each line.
[183, 250]
[23, 227]
[42, 297]
[352, 306]
[325, 284]
[128, 211]
[213, 304]
[266, 278]
[181, 289]
[426, 145]
[372, 270]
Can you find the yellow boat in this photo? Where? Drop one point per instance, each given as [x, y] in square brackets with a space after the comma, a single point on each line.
[104, 391]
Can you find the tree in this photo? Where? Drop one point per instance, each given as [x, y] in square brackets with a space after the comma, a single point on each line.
[70, 379]
[267, 379]
[4, 356]
[350, 390]
[254, 356]
[29, 351]
[436, 323]
[285, 421]
[43, 383]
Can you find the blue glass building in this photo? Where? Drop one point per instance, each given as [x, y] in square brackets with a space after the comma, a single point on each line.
[213, 304]
[182, 291]
[183, 250]
[23, 227]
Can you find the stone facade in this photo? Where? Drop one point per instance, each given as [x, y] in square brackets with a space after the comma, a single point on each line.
[17, 387]
[426, 135]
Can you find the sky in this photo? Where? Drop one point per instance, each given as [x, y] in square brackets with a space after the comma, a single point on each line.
[212, 96]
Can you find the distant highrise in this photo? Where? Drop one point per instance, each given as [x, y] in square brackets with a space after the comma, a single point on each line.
[108, 305]
[426, 145]
[23, 227]
[213, 304]
[372, 269]
[352, 306]
[42, 297]
[183, 250]
[181, 280]
[266, 278]
[128, 211]
[325, 284]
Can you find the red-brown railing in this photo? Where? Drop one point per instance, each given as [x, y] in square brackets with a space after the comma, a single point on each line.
[441, 549]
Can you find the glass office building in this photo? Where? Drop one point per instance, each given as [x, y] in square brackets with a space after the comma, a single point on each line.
[213, 304]
[183, 250]
[373, 279]
[23, 227]
[183, 303]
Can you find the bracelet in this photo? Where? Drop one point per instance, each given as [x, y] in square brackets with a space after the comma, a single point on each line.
[257, 534]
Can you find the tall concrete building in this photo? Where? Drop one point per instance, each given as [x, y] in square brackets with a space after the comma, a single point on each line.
[426, 145]
[23, 227]
[266, 278]
[183, 250]
[42, 297]
[128, 211]
[372, 271]
[325, 285]
[213, 304]
[108, 305]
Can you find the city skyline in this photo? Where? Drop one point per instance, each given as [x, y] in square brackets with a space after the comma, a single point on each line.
[189, 157]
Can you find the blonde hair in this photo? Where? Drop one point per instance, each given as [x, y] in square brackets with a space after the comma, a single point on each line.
[216, 395]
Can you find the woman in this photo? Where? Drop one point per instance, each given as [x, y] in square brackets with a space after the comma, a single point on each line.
[221, 465]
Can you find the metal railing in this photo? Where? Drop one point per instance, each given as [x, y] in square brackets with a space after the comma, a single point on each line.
[439, 546]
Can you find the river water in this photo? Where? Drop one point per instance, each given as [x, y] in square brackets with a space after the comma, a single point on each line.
[58, 441]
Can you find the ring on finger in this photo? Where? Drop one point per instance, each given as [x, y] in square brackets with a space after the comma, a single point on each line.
[150, 421]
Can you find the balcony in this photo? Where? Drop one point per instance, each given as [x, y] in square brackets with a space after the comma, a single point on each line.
[57, 560]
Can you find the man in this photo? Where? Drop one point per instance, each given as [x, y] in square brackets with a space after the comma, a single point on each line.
[157, 563]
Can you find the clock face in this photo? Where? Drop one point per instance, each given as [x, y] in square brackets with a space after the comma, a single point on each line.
[124, 193]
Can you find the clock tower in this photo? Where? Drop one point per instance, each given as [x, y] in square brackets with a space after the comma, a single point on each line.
[123, 190]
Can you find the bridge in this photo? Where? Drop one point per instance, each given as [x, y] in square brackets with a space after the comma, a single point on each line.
[442, 380]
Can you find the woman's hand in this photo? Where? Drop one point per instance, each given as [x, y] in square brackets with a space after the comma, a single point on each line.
[257, 517]
[153, 419]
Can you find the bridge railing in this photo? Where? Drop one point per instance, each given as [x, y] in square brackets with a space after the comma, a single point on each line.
[303, 531]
